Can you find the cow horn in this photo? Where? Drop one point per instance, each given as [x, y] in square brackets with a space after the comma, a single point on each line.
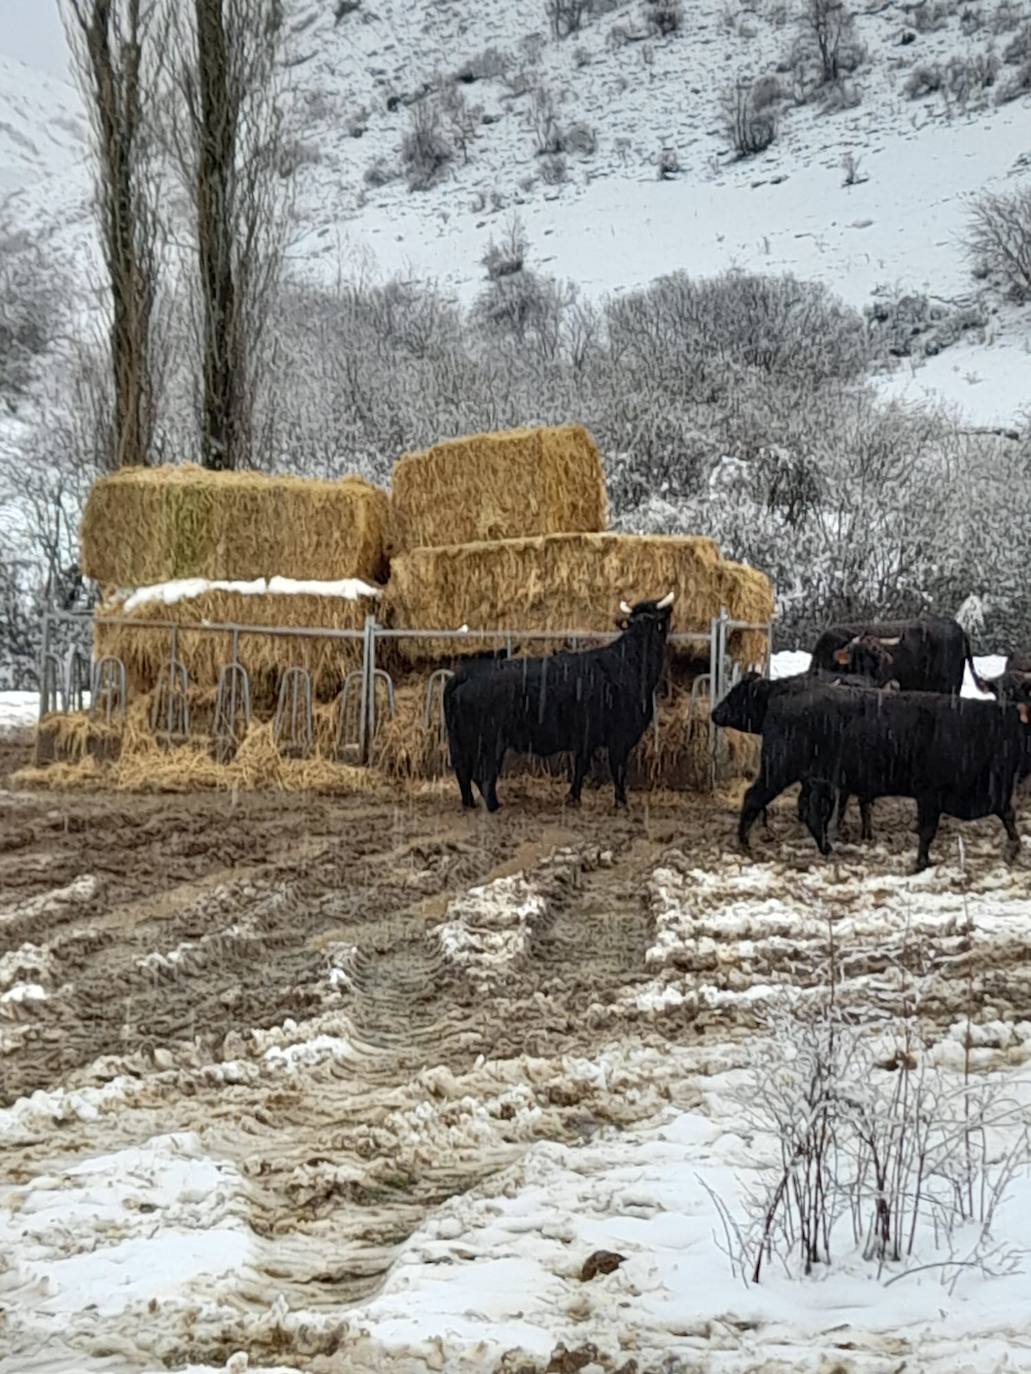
[666, 602]
[890, 643]
[462, 630]
[625, 608]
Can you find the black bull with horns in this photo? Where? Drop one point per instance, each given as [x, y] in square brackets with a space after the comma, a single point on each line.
[925, 655]
[573, 703]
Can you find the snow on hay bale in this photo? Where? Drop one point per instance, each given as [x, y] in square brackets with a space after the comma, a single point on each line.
[120, 629]
[148, 525]
[554, 582]
[507, 485]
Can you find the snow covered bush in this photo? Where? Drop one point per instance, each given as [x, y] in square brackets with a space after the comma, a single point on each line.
[485, 66]
[426, 151]
[1018, 83]
[566, 16]
[749, 129]
[924, 80]
[828, 27]
[664, 17]
[30, 295]
[999, 237]
[884, 1157]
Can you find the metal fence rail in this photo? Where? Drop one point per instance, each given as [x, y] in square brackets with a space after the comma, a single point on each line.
[366, 694]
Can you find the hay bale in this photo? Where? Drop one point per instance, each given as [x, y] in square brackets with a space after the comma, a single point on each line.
[148, 525]
[747, 595]
[143, 650]
[512, 484]
[556, 582]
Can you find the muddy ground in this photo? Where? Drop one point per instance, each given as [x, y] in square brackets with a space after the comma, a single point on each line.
[178, 928]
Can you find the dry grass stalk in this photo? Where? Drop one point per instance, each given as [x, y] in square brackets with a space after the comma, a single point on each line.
[511, 484]
[148, 525]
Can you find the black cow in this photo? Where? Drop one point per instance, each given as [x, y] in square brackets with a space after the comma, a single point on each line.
[570, 702]
[745, 707]
[927, 655]
[951, 755]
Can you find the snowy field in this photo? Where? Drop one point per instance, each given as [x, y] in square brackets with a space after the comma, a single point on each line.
[360, 1086]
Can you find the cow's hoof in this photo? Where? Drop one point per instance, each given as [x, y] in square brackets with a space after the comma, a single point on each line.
[1013, 851]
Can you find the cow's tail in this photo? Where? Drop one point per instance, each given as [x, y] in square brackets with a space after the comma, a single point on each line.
[979, 682]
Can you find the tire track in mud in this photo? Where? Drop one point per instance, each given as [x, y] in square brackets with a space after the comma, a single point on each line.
[303, 1018]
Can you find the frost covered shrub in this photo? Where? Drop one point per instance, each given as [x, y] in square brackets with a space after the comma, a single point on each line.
[694, 329]
[924, 80]
[967, 77]
[1018, 83]
[509, 256]
[426, 150]
[664, 17]
[566, 16]
[999, 236]
[828, 30]
[750, 130]
[766, 91]
[908, 325]
[554, 169]
[1018, 50]
[932, 15]
[30, 293]
[837, 96]
[485, 66]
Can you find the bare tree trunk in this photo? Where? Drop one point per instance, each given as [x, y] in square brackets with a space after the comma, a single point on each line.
[108, 39]
[226, 140]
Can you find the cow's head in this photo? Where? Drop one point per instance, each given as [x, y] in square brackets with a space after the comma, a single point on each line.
[744, 706]
[869, 657]
[651, 613]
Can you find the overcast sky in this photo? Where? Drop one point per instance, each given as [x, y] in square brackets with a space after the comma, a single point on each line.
[32, 31]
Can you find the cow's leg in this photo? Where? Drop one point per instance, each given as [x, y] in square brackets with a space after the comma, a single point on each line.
[581, 762]
[865, 809]
[842, 800]
[618, 756]
[464, 774]
[1009, 819]
[757, 798]
[820, 801]
[928, 816]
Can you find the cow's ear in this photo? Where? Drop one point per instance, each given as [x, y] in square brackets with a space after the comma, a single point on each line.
[622, 623]
[893, 685]
[841, 656]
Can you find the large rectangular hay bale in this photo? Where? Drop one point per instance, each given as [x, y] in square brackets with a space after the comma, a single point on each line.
[147, 525]
[144, 650]
[508, 485]
[747, 594]
[556, 582]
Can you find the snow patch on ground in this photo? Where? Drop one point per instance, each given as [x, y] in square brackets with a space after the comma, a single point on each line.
[500, 1269]
[106, 1237]
[489, 928]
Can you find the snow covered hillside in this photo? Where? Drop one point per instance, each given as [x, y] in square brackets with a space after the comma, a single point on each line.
[599, 214]
[614, 98]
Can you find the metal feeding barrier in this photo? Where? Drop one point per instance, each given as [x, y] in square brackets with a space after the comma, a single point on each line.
[232, 710]
[293, 727]
[108, 696]
[367, 693]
